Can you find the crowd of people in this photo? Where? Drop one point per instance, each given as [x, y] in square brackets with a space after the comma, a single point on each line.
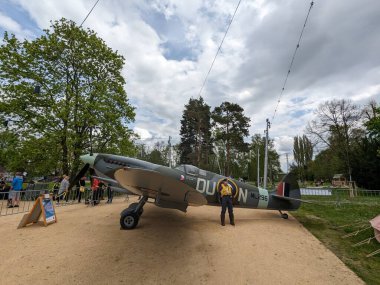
[98, 188]
[13, 190]
[61, 191]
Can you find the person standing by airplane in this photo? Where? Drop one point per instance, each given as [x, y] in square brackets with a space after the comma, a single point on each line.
[109, 194]
[95, 192]
[15, 190]
[81, 188]
[225, 191]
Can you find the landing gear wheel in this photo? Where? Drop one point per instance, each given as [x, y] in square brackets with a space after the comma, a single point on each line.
[284, 216]
[133, 205]
[129, 220]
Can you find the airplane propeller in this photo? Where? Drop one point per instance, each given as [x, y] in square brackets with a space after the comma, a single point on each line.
[80, 174]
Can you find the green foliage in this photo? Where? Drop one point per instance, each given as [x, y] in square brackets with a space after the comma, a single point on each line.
[196, 144]
[335, 126]
[326, 164]
[81, 92]
[349, 148]
[303, 154]
[366, 163]
[373, 125]
[231, 127]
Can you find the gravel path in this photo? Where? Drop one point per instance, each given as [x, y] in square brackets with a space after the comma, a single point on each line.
[86, 246]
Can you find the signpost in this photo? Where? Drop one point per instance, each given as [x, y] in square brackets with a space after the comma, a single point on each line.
[43, 206]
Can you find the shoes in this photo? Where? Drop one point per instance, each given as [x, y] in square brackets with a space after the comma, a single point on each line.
[222, 220]
[10, 206]
[15, 206]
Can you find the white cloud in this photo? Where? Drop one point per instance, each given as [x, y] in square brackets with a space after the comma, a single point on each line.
[8, 24]
[338, 57]
[143, 134]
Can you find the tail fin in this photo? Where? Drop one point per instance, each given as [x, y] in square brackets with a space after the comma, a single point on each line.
[288, 190]
[288, 187]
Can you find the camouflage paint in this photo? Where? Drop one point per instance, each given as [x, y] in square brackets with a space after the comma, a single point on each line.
[204, 182]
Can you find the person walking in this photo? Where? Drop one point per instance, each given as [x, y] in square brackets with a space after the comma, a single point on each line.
[63, 188]
[225, 191]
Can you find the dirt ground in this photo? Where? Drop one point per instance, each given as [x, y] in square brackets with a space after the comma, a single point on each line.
[86, 246]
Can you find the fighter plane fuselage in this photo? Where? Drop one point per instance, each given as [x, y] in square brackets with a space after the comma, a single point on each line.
[205, 182]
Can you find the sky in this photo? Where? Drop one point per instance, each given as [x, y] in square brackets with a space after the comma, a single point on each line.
[169, 46]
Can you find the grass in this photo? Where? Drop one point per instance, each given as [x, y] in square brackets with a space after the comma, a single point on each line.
[325, 220]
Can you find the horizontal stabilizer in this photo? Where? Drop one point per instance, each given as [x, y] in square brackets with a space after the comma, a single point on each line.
[291, 199]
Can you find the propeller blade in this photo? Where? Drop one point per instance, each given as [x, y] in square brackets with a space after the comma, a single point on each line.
[80, 174]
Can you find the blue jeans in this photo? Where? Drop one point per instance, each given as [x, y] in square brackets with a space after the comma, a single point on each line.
[227, 203]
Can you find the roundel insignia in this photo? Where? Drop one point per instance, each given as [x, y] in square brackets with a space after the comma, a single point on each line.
[235, 188]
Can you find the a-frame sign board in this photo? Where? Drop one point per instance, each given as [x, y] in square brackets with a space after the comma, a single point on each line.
[43, 206]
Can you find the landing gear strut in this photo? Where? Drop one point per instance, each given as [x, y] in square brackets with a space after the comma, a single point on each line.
[284, 215]
[130, 217]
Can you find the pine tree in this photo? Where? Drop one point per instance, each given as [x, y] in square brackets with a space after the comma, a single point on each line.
[231, 126]
[196, 145]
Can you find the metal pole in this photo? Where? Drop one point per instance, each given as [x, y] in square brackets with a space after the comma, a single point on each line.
[170, 152]
[266, 155]
[91, 141]
[258, 167]
[287, 163]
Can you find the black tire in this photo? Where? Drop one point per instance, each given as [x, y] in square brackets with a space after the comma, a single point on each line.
[129, 220]
[284, 216]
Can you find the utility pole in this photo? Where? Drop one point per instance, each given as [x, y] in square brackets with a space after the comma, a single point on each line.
[170, 152]
[287, 163]
[266, 154]
[258, 167]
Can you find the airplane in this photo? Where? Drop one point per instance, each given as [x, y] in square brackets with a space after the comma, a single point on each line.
[183, 186]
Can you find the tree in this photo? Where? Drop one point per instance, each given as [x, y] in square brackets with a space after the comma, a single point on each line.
[366, 162]
[326, 164]
[231, 127]
[80, 92]
[335, 125]
[196, 144]
[373, 124]
[159, 154]
[303, 154]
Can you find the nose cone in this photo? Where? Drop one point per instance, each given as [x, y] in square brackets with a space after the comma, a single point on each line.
[90, 159]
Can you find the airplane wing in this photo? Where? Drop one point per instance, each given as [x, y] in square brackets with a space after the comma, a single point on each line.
[169, 192]
[115, 185]
[105, 179]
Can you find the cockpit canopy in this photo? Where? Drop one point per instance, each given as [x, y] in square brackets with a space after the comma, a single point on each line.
[191, 170]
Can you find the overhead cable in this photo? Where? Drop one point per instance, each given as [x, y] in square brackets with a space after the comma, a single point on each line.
[89, 13]
[292, 61]
[220, 46]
